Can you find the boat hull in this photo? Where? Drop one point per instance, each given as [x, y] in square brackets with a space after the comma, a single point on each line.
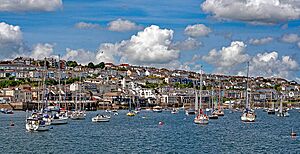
[99, 119]
[59, 121]
[248, 117]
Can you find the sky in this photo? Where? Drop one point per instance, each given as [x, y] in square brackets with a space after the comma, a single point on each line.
[220, 35]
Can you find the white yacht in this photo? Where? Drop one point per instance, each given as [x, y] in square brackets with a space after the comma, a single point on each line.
[101, 118]
[36, 124]
[248, 115]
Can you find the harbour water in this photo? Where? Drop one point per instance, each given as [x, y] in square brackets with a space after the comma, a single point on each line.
[143, 134]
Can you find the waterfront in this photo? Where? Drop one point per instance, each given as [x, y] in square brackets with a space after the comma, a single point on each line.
[142, 134]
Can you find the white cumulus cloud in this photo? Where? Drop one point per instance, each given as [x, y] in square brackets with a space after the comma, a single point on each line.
[290, 38]
[80, 55]
[270, 64]
[11, 43]
[150, 46]
[232, 60]
[40, 51]
[261, 41]
[254, 11]
[121, 25]
[197, 30]
[30, 5]
[188, 44]
[227, 57]
[84, 25]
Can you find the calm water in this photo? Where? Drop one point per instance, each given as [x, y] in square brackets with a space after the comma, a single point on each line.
[142, 134]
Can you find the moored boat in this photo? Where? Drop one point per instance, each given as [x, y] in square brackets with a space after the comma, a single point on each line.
[101, 118]
[157, 109]
[36, 124]
[200, 118]
[248, 115]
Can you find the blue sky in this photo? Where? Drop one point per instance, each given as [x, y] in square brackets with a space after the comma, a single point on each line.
[57, 28]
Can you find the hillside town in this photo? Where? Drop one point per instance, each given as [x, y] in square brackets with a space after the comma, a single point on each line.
[28, 84]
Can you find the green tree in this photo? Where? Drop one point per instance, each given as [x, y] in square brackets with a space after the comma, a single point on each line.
[91, 65]
[100, 65]
[72, 63]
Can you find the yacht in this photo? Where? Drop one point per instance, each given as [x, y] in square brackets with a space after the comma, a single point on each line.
[157, 109]
[101, 118]
[36, 123]
[200, 118]
[174, 111]
[59, 119]
[78, 115]
[190, 112]
[248, 115]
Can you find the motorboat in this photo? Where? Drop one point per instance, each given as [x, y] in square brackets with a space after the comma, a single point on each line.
[174, 111]
[6, 111]
[130, 114]
[36, 124]
[59, 119]
[271, 111]
[157, 109]
[190, 112]
[101, 118]
[218, 112]
[213, 116]
[78, 115]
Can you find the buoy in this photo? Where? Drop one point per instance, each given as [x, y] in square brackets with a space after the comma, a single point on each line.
[293, 134]
[161, 123]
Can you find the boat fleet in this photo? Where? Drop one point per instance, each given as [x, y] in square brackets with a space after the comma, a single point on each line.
[54, 115]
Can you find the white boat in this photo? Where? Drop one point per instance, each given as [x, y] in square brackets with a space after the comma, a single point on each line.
[59, 120]
[282, 112]
[35, 124]
[248, 115]
[174, 111]
[78, 115]
[136, 111]
[157, 109]
[218, 113]
[101, 118]
[200, 118]
[190, 112]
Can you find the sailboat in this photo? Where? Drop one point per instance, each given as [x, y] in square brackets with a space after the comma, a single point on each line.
[58, 118]
[272, 109]
[200, 118]
[219, 111]
[212, 115]
[138, 107]
[78, 114]
[130, 113]
[282, 112]
[248, 115]
[192, 111]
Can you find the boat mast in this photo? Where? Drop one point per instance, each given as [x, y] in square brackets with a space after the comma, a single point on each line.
[59, 86]
[200, 99]
[196, 101]
[247, 99]
[44, 85]
[219, 107]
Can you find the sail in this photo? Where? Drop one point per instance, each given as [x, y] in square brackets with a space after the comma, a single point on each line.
[196, 102]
